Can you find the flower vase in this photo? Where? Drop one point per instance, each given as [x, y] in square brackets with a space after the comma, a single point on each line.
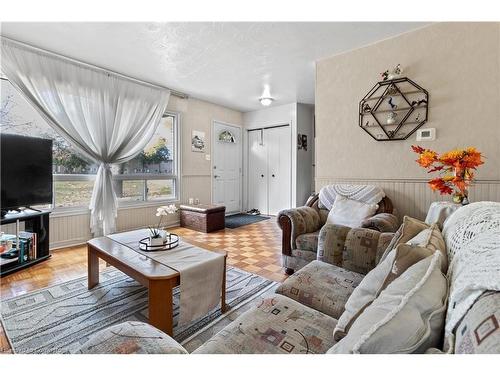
[461, 198]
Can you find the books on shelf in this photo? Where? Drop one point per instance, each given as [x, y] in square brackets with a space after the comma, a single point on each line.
[27, 246]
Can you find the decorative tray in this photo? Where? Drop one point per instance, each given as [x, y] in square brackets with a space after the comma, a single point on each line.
[171, 242]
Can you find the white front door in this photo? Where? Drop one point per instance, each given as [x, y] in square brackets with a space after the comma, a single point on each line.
[226, 166]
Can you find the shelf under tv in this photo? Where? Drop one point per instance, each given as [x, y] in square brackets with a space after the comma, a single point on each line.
[13, 267]
[26, 221]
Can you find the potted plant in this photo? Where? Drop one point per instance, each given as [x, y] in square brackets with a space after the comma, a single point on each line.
[456, 168]
[157, 235]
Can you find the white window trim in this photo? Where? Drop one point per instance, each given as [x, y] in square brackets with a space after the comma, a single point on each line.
[125, 205]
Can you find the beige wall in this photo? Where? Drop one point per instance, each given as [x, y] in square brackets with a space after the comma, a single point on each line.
[458, 64]
[195, 169]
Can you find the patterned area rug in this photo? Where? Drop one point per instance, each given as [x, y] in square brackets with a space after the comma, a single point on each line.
[58, 319]
[238, 220]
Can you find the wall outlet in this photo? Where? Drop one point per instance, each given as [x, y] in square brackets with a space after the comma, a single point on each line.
[207, 156]
[428, 134]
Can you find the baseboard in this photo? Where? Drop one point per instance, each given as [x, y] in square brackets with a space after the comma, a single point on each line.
[68, 243]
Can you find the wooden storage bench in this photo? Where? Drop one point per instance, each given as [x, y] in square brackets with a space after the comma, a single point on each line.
[203, 218]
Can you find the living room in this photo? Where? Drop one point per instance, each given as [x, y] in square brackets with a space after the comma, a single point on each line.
[180, 187]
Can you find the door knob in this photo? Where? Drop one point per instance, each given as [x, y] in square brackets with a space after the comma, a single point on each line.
[273, 175]
[215, 176]
[261, 175]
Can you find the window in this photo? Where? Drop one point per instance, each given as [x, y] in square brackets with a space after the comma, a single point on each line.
[151, 176]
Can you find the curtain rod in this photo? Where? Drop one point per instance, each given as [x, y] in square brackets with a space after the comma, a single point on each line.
[95, 67]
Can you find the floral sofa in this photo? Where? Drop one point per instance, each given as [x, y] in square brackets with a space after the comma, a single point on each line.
[304, 230]
[309, 311]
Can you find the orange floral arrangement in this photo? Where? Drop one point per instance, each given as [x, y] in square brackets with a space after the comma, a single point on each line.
[456, 167]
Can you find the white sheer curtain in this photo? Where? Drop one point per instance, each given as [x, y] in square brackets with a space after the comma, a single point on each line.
[106, 117]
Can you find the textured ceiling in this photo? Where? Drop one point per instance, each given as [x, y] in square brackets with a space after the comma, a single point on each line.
[225, 63]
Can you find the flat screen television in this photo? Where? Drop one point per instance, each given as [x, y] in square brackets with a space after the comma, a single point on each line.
[26, 171]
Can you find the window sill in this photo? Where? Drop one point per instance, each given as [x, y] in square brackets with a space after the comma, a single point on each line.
[132, 205]
[63, 212]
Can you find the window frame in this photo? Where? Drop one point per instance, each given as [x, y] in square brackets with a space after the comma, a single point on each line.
[124, 204]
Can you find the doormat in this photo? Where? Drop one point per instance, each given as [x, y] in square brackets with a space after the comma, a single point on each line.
[238, 220]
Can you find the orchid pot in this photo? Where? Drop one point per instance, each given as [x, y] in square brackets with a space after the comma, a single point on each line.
[157, 236]
[156, 241]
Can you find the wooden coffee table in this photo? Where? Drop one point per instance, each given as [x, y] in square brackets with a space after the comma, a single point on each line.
[157, 277]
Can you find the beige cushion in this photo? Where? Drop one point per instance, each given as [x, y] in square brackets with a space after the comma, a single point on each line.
[432, 239]
[405, 257]
[276, 325]
[409, 229]
[407, 317]
[131, 337]
[349, 212]
[322, 286]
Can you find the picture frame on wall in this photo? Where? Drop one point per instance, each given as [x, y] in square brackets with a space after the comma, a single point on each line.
[302, 142]
[197, 141]
[299, 141]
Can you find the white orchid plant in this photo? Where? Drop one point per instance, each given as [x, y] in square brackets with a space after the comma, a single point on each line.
[161, 212]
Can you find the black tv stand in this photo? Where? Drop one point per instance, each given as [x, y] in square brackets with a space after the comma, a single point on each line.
[29, 220]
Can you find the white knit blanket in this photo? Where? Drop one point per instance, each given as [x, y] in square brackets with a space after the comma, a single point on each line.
[472, 237]
[364, 193]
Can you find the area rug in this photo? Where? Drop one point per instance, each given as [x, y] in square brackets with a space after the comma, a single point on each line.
[60, 318]
[238, 220]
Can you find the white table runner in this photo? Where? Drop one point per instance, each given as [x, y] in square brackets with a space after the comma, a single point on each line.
[201, 273]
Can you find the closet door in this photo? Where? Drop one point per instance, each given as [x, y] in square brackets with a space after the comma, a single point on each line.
[279, 142]
[257, 172]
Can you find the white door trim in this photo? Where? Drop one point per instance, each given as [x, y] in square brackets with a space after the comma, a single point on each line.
[240, 155]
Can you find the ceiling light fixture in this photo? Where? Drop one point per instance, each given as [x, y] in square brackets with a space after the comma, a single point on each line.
[266, 101]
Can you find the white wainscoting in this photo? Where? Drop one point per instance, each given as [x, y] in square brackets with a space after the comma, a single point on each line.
[413, 196]
[71, 230]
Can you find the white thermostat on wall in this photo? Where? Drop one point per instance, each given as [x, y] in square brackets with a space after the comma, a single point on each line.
[428, 134]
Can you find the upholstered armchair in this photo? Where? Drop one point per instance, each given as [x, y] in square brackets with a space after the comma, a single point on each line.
[305, 235]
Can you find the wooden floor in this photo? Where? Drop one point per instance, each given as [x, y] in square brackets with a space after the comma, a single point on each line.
[254, 248]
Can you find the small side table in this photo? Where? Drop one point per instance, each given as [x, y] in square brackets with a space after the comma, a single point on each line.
[440, 211]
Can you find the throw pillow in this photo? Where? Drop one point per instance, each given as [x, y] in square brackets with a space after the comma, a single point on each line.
[406, 256]
[409, 229]
[349, 212]
[394, 265]
[407, 317]
[432, 239]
